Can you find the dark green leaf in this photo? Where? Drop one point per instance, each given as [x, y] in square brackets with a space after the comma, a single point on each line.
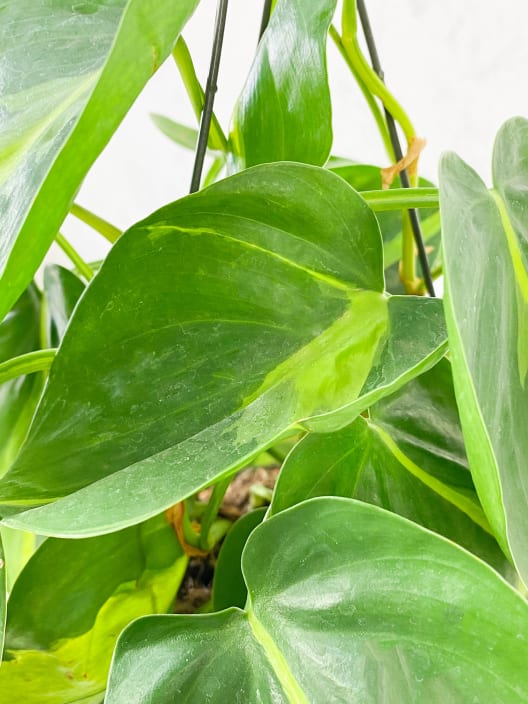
[19, 333]
[485, 254]
[284, 112]
[407, 456]
[215, 327]
[364, 177]
[70, 72]
[71, 602]
[62, 289]
[348, 603]
[229, 588]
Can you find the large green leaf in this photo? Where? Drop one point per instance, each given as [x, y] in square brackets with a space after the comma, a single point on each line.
[215, 327]
[486, 281]
[70, 72]
[407, 456]
[365, 177]
[347, 603]
[284, 112]
[71, 602]
[19, 333]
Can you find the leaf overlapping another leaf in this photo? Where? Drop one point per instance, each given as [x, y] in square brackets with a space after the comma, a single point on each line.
[347, 602]
[214, 327]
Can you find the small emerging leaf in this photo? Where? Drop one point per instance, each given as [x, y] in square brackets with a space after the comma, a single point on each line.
[284, 112]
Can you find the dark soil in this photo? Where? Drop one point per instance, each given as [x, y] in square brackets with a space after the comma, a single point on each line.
[196, 586]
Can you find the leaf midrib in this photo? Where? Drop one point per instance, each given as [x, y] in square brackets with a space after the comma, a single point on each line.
[461, 502]
[278, 662]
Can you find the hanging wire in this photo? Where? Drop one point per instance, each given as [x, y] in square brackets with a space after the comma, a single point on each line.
[395, 140]
[210, 91]
[266, 13]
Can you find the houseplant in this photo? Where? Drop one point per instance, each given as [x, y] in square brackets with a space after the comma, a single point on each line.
[254, 311]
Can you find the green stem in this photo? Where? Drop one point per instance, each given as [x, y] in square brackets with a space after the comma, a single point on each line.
[214, 171]
[392, 249]
[82, 267]
[184, 62]
[371, 101]
[211, 512]
[367, 74]
[101, 226]
[278, 456]
[408, 259]
[401, 198]
[44, 336]
[28, 363]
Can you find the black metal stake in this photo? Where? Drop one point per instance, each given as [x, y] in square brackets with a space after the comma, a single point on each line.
[395, 140]
[210, 91]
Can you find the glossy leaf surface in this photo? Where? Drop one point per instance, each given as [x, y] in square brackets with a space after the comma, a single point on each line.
[407, 456]
[62, 289]
[19, 333]
[229, 588]
[486, 279]
[347, 603]
[284, 112]
[59, 108]
[365, 177]
[71, 602]
[216, 326]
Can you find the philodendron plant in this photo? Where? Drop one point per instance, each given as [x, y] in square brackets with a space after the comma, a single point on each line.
[279, 305]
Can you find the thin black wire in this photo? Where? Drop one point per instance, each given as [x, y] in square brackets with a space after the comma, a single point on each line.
[210, 91]
[266, 13]
[395, 140]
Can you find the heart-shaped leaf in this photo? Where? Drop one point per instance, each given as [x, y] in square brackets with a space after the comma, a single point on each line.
[347, 602]
[71, 602]
[407, 456]
[284, 112]
[70, 72]
[218, 325]
[486, 281]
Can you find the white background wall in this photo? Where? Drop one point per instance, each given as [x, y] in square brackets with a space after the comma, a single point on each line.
[459, 68]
